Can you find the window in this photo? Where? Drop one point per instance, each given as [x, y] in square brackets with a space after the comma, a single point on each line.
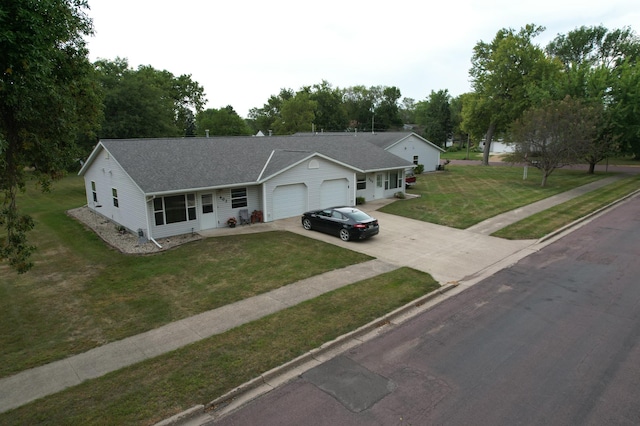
[191, 206]
[94, 192]
[173, 209]
[392, 180]
[207, 203]
[362, 181]
[158, 211]
[415, 160]
[238, 197]
[379, 180]
[114, 193]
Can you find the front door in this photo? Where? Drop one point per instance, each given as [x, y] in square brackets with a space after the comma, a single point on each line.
[379, 192]
[208, 219]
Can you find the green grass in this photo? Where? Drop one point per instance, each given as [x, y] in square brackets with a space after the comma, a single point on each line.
[461, 155]
[543, 223]
[150, 391]
[82, 294]
[465, 195]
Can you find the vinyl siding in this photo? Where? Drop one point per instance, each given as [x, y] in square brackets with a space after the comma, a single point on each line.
[411, 146]
[310, 173]
[108, 174]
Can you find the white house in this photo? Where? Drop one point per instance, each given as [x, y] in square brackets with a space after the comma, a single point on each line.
[411, 147]
[165, 187]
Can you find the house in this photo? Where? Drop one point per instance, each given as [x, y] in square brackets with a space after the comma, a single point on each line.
[411, 147]
[164, 187]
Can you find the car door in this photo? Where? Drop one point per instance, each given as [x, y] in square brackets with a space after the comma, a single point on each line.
[321, 220]
[335, 222]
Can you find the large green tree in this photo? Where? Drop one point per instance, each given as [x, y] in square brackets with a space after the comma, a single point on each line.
[598, 67]
[297, 114]
[434, 114]
[506, 75]
[263, 119]
[624, 107]
[47, 98]
[330, 113]
[221, 122]
[147, 102]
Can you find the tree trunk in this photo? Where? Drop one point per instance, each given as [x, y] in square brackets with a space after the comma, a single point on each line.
[592, 168]
[545, 175]
[487, 143]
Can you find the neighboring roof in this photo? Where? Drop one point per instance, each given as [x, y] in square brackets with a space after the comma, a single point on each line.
[393, 138]
[166, 165]
[384, 140]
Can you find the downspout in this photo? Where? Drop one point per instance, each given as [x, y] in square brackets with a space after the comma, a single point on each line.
[149, 226]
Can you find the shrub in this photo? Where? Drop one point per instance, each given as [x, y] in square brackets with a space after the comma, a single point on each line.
[360, 200]
[419, 169]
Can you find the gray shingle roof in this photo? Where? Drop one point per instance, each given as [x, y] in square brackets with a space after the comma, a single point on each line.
[164, 165]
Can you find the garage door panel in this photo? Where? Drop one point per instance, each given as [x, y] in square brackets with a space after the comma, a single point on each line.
[334, 193]
[289, 200]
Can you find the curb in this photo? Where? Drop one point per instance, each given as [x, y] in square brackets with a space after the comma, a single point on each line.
[218, 404]
[587, 216]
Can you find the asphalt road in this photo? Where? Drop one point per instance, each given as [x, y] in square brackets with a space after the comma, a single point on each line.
[552, 340]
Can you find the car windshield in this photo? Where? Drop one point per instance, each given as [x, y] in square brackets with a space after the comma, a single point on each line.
[359, 216]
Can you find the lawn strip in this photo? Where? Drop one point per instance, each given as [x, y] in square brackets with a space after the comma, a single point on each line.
[150, 391]
[545, 222]
[465, 195]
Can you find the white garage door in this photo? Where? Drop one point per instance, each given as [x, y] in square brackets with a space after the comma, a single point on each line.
[289, 200]
[334, 193]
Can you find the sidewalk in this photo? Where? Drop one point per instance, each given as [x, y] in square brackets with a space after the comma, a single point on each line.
[491, 225]
[391, 253]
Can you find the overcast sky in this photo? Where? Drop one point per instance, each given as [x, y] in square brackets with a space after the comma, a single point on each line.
[242, 52]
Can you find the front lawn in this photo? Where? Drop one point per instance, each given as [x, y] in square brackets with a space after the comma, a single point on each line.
[462, 196]
[150, 391]
[82, 294]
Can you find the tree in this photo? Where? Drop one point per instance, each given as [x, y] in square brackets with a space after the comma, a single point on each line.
[598, 67]
[387, 112]
[435, 116]
[554, 135]
[330, 114]
[47, 98]
[263, 119]
[359, 103]
[408, 110]
[296, 115]
[147, 102]
[624, 107]
[221, 122]
[502, 75]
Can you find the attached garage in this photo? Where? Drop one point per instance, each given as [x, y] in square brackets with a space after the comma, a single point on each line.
[289, 200]
[334, 192]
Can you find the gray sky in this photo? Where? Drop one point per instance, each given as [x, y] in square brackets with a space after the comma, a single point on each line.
[242, 52]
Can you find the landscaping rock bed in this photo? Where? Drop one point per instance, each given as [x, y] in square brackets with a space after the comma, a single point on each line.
[125, 242]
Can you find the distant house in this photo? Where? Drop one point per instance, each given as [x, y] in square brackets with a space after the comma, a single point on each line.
[410, 147]
[165, 187]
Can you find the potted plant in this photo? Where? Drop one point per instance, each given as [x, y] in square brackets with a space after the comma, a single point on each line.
[231, 222]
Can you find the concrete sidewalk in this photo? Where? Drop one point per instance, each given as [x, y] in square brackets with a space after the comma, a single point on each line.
[449, 255]
[491, 225]
[38, 382]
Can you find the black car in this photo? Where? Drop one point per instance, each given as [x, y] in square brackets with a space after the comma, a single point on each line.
[348, 223]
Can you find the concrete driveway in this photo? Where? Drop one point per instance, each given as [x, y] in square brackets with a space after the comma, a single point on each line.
[448, 254]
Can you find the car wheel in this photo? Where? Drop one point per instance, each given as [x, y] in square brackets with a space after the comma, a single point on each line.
[306, 224]
[344, 234]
